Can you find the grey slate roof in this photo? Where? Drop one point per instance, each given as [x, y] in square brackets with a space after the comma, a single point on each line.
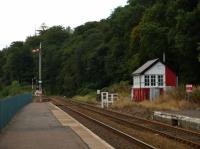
[145, 67]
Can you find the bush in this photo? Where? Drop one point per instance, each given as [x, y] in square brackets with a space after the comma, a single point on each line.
[14, 89]
[84, 91]
[180, 94]
[90, 97]
[195, 95]
[4, 93]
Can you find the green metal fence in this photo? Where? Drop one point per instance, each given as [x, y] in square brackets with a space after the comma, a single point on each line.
[9, 106]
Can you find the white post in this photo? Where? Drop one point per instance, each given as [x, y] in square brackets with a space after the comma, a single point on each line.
[112, 98]
[107, 96]
[102, 101]
[104, 98]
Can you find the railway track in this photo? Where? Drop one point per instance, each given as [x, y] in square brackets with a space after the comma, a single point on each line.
[186, 136]
[182, 135]
[121, 134]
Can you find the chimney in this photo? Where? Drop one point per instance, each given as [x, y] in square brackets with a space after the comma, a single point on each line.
[164, 57]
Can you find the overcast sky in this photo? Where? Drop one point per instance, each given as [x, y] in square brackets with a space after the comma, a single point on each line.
[19, 18]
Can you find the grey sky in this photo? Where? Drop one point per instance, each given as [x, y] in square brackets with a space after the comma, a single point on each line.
[19, 18]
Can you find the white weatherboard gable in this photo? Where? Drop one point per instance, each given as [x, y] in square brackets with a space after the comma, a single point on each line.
[158, 68]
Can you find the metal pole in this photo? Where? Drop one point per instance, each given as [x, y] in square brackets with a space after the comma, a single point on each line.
[32, 84]
[40, 70]
[32, 87]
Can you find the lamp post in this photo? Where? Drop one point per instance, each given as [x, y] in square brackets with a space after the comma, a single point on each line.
[40, 68]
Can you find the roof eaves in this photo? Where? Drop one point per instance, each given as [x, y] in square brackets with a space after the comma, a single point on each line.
[147, 68]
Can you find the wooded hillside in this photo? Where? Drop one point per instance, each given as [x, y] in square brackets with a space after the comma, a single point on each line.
[98, 54]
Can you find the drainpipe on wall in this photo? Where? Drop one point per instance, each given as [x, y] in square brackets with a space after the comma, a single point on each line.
[176, 81]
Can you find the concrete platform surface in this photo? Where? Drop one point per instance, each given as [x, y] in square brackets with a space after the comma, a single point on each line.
[35, 127]
[92, 140]
[188, 113]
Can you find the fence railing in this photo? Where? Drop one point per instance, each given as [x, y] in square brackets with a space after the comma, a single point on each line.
[9, 106]
[108, 98]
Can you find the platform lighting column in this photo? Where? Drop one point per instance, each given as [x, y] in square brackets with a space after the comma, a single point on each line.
[40, 70]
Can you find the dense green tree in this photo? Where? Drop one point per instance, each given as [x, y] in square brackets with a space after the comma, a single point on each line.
[98, 54]
[18, 64]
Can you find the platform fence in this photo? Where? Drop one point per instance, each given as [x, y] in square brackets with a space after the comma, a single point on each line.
[11, 105]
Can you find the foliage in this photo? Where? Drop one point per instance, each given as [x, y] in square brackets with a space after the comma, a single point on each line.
[195, 95]
[90, 97]
[14, 89]
[99, 54]
[180, 94]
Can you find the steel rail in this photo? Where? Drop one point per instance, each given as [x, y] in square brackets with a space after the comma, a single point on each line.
[114, 130]
[185, 141]
[126, 122]
[144, 120]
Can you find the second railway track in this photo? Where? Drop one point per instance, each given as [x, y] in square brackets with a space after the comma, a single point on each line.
[134, 126]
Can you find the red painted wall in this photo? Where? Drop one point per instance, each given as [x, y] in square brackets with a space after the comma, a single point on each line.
[143, 93]
[170, 77]
[161, 91]
[140, 94]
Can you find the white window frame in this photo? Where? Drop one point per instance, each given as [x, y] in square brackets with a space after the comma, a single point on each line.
[153, 80]
[160, 80]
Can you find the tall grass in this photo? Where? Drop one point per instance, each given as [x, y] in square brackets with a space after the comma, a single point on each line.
[180, 94]
[176, 99]
[90, 97]
[195, 95]
[123, 89]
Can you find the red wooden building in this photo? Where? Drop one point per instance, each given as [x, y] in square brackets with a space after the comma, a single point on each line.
[152, 79]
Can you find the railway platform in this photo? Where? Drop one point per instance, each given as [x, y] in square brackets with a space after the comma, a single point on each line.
[185, 119]
[45, 126]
